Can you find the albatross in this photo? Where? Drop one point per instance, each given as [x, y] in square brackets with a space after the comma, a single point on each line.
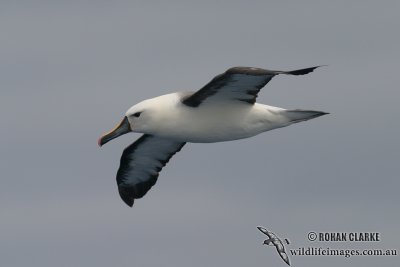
[225, 109]
[273, 240]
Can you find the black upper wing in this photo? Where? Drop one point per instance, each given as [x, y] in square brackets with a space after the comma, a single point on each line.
[238, 83]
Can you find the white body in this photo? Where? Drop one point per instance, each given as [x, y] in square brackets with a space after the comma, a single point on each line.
[167, 117]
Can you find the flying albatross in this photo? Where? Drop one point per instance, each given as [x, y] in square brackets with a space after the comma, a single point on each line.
[225, 109]
[273, 240]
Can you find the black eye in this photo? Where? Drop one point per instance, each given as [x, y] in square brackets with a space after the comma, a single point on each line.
[137, 114]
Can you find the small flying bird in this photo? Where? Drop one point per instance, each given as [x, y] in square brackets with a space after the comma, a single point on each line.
[273, 240]
[225, 109]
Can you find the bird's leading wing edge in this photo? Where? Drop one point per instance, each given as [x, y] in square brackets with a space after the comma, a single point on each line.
[141, 163]
[237, 84]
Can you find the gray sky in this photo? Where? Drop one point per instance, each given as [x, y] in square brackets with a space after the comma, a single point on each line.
[70, 70]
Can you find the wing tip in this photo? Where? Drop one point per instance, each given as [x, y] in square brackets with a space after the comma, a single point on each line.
[129, 202]
[259, 71]
[262, 229]
[126, 197]
[303, 71]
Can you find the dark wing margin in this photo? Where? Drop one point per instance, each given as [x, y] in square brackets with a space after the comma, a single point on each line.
[141, 163]
[264, 231]
[238, 83]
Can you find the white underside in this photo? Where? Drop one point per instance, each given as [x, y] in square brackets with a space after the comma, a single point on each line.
[211, 122]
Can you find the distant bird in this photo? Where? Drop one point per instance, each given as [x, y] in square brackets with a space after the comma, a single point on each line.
[273, 240]
[225, 109]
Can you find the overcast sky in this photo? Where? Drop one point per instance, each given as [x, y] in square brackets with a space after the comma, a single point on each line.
[70, 70]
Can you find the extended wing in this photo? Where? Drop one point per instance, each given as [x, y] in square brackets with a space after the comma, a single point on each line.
[284, 257]
[238, 83]
[141, 163]
[270, 234]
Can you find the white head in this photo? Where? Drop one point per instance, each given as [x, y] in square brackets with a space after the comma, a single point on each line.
[141, 118]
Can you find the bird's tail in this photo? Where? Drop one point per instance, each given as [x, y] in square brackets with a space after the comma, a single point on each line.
[298, 115]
